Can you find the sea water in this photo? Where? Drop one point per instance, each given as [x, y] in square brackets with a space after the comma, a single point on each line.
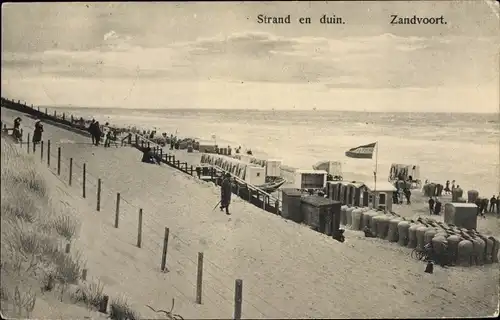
[446, 146]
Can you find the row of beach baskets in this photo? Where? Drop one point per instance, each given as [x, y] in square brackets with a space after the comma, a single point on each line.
[464, 247]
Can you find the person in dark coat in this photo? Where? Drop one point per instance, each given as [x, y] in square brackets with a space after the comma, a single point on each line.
[431, 206]
[97, 133]
[149, 157]
[493, 203]
[16, 132]
[437, 207]
[37, 134]
[91, 130]
[225, 193]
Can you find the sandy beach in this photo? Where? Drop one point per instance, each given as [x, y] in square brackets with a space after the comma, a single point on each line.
[288, 270]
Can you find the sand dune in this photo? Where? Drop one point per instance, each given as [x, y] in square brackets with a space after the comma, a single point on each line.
[288, 270]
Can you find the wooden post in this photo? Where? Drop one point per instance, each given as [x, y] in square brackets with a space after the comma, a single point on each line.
[38, 109]
[55, 114]
[199, 278]
[165, 247]
[84, 181]
[70, 171]
[48, 153]
[98, 194]
[58, 161]
[191, 169]
[46, 111]
[277, 204]
[103, 306]
[41, 150]
[84, 274]
[139, 230]
[149, 144]
[238, 298]
[64, 116]
[28, 143]
[264, 199]
[117, 213]
[68, 248]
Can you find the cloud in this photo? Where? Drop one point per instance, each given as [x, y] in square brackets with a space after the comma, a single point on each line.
[382, 61]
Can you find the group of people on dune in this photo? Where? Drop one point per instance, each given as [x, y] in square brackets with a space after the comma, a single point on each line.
[17, 133]
[97, 132]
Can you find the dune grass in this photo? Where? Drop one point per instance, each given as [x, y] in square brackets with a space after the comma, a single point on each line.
[121, 310]
[33, 235]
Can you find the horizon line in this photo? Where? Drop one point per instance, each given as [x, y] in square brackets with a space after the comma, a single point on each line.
[275, 110]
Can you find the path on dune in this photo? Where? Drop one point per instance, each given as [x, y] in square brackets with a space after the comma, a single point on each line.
[287, 269]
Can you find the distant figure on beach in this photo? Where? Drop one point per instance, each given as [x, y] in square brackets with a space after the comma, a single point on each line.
[407, 194]
[437, 207]
[225, 193]
[431, 205]
[37, 134]
[484, 206]
[249, 152]
[238, 150]
[493, 203]
[149, 157]
[106, 131]
[479, 205]
[97, 133]
[16, 131]
[452, 185]
[92, 130]
[447, 187]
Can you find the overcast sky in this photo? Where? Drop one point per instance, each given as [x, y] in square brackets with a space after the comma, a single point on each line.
[216, 55]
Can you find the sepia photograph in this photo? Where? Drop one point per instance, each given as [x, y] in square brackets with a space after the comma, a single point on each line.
[250, 160]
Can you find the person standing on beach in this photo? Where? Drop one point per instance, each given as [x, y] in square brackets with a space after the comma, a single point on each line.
[407, 194]
[431, 206]
[106, 131]
[97, 133]
[447, 187]
[16, 131]
[92, 130]
[225, 193]
[437, 207]
[493, 203]
[37, 134]
[498, 207]
[479, 205]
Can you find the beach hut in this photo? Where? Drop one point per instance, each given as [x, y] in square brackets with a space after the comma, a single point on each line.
[462, 215]
[355, 191]
[206, 146]
[304, 178]
[381, 195]
[273, 167]
[334, 168]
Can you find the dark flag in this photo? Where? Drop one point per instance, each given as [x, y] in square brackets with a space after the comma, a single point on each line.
[362, 152]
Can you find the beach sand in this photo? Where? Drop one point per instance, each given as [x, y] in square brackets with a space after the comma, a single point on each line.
[288, 270]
